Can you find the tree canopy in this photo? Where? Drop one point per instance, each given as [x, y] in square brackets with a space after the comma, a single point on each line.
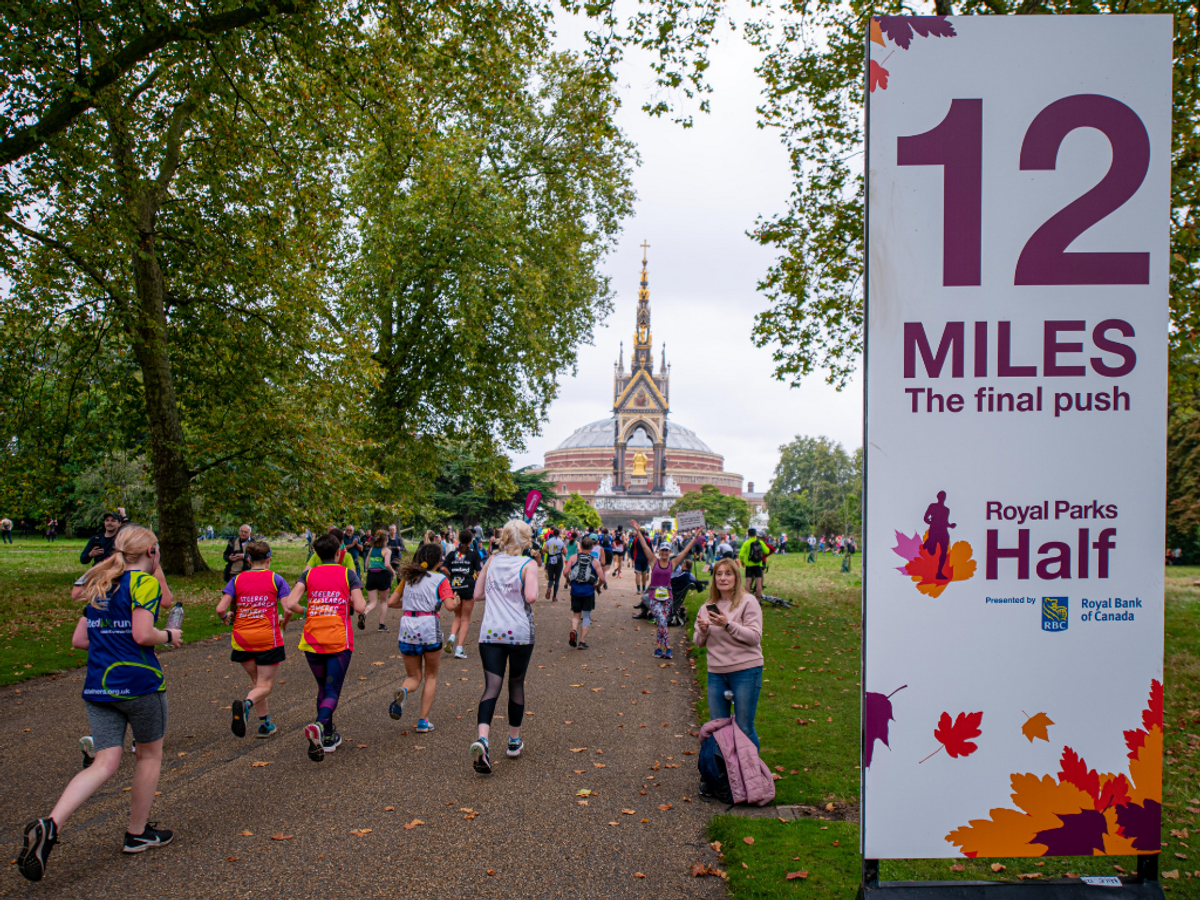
[721, 510]
[817, 488]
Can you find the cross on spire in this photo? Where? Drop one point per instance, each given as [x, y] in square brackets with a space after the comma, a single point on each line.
[645, 247]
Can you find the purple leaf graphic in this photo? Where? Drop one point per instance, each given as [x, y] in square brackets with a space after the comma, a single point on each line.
[932, 26]
[1081, 834]
[907, 548]
[900, 28]
[878, 714]
[1142, 824]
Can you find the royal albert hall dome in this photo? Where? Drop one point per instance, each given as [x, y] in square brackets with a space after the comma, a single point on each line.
[638, 457]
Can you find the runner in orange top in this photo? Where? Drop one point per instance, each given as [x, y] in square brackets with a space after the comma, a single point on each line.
[328, 638]
[255, 595]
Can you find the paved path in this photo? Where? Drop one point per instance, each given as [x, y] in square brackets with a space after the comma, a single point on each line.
[615, 700]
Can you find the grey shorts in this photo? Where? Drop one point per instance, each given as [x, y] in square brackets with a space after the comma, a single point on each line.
[147, 716]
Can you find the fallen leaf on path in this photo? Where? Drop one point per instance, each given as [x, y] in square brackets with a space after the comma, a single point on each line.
[638, 875]
[582, 802]
[362, 746]
[491, 871]
[958, 867]
[664, 806]
[471, 815]
[598, 765]
[747, 840]
[594, 690]
[362, 677]
[577, 685]
[247, 833]
[584, 792]
[411, 825]
[1174, 873]
[997, 867]
[282, 837]
[828, 807]
[377, 664]
[578, 749]
[567, 722]
[236, 858]
[716, 845]
[363, 832]
[792, 876]
[389, 809]
[1030, 875]
[259, 764]
[628, 812]
[577, 771]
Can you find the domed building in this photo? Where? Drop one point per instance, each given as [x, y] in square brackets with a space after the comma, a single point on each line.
[637, 461]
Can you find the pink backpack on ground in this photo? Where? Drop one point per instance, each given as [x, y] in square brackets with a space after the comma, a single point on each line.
[750, 780]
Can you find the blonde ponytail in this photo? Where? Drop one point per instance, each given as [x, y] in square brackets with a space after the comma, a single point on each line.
[132, 542]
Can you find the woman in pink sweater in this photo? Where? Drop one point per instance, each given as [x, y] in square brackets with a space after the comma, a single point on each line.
[730, 626]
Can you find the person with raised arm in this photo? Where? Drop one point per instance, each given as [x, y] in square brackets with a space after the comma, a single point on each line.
[658, 594]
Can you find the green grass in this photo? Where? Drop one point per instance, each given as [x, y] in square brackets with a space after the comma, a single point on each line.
[812, 656]
[38, 614]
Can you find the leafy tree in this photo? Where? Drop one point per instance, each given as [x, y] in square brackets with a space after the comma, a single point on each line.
[578, 510]
[721, 510]
[812, 69]
[817, 487]
[1183, 485]
[464, 493]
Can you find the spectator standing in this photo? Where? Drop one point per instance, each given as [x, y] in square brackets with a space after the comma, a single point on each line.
[6, 527]
[100, 546]
[753, 557]
[733, 635]
[235, 553]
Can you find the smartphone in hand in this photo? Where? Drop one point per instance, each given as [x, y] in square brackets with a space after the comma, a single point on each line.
[713, 610]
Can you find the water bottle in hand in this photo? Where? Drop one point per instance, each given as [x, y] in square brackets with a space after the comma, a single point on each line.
[175, 617]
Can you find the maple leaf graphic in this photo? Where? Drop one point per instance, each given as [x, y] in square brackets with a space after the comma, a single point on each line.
[1080, 834]
[1036, 726]
[907, 548]
[923, 569]
[878, 77]
[900, 28]
[955, 736]
[878, 714]
[1074, 770]
[876, 34]
[1084, 812]
[1142, 823]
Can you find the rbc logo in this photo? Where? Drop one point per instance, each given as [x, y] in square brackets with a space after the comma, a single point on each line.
[1054, 614]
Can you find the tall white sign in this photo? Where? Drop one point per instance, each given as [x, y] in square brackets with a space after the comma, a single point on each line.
[1018, 183]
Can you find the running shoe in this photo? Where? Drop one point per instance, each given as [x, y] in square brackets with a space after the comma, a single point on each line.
[667, 655]
[515, 746]
[87, 747]
[396, 708]
[382, 627]
[266, 729]
[449, 646]
[480, 760]
[362, 621]
[331, 742]
[40, 837]
[241, 712]
[583, 645]
[424, 726]
[316, 752]
[460, 653]
[658, 652]
[151, 837]
[571, 639]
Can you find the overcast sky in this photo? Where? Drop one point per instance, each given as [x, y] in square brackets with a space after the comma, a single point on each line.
[699, 192]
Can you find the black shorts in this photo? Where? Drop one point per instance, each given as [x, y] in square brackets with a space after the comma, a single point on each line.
[379, 580]
[272, 657]
[754, 571]
[583, 604]
[618, 553]
[467, 593]
[641, 565]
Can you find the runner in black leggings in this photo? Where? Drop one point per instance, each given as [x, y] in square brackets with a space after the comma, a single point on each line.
[509, 583]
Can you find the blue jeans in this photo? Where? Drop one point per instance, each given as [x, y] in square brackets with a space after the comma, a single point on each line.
[746, 685]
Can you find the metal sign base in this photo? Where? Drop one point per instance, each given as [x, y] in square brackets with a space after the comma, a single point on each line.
[1144, 886]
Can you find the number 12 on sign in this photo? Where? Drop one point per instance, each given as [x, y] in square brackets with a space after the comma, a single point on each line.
[956, 144]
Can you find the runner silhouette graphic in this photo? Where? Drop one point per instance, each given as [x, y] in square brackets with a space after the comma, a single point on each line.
[937, 542]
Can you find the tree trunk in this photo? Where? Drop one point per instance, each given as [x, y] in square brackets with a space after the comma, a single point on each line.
[180, 552]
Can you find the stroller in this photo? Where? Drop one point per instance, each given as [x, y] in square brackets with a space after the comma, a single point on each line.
[683, 582]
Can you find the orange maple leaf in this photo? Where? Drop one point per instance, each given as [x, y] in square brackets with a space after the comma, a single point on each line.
[1035, 727]
[877, 33]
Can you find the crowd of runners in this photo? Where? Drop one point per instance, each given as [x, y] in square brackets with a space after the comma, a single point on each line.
[348, 576]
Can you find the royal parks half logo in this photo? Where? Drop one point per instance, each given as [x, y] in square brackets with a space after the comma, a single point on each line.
[1054, 614]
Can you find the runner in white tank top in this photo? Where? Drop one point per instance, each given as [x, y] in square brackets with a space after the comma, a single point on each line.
[422, 589]
[509, 583]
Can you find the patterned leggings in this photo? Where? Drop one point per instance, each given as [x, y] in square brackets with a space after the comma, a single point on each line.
[660, 610]
[330, 671]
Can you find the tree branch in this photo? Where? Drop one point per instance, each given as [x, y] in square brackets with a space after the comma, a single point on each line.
[80, 97]
[943, 7]
[66, 250]
[199, 470]
[180, 116]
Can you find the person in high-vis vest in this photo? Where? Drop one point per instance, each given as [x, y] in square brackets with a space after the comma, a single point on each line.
[257, 638]
[328, 640]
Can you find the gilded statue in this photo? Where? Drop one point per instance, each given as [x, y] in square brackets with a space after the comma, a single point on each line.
[639, 464]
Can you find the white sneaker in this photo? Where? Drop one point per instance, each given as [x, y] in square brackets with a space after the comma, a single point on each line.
[460, 653]
[449, 646]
